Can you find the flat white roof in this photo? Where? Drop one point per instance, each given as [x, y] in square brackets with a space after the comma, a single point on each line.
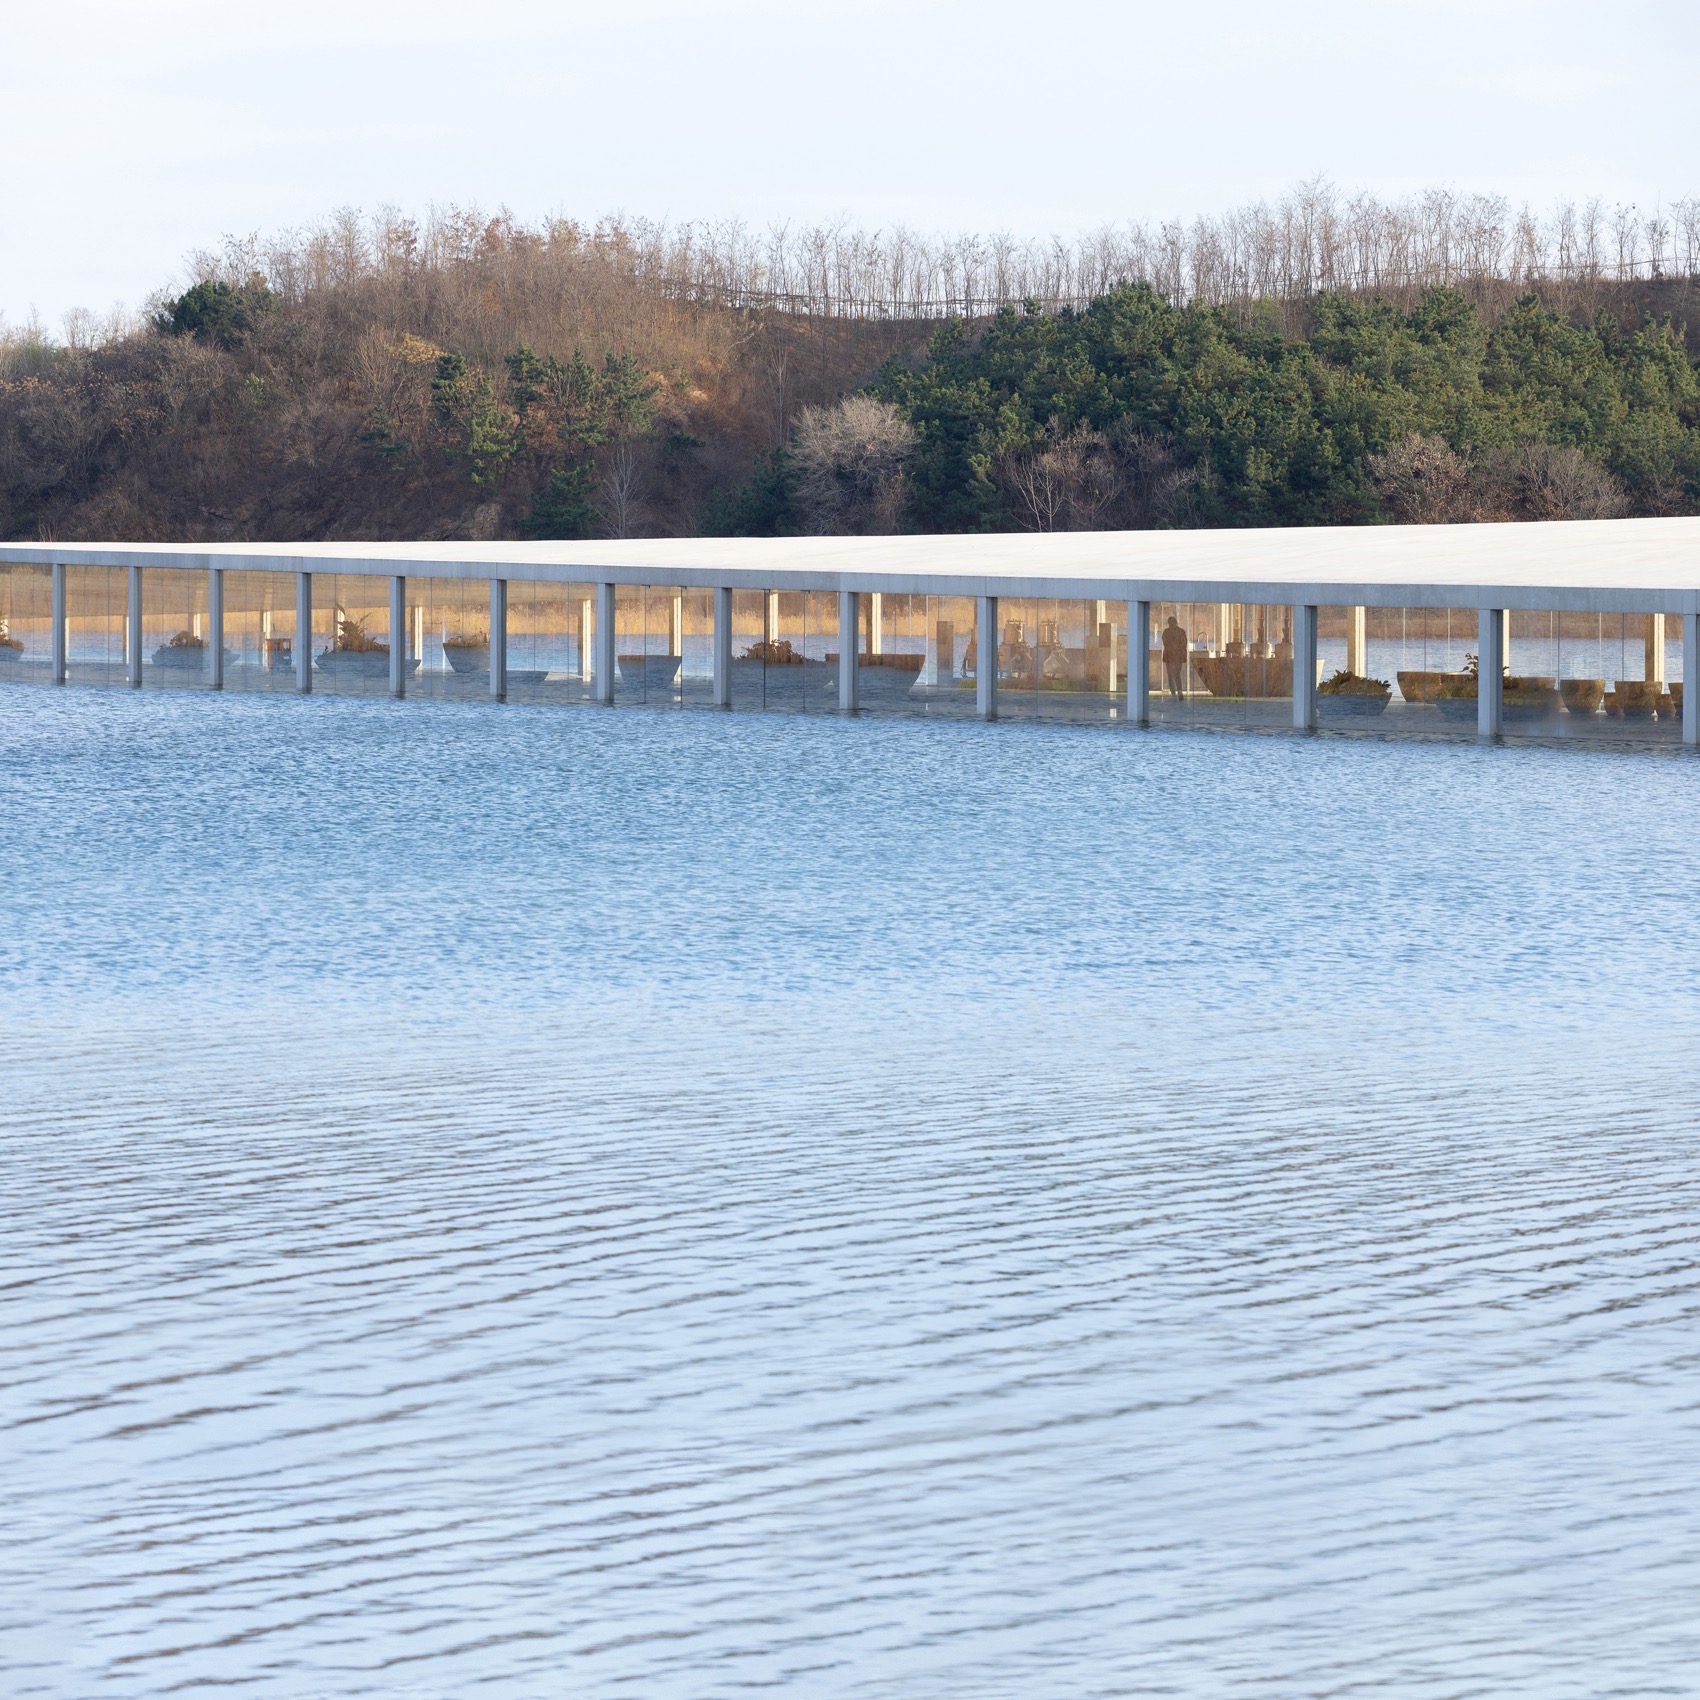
[1610, 566]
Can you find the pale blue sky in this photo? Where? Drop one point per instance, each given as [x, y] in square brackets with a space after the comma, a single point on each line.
[133, 131]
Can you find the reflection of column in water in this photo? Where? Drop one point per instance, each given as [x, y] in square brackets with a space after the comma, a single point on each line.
[418, 631]
[1653, 667]
[678, 633]
[586, 618]
[876, 623]
[770, 617]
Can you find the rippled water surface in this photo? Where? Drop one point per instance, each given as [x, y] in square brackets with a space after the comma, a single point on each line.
[532, 1204]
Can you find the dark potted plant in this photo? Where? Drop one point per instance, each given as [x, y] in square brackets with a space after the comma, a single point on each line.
[1351, 694]
[776, 653]
[186, 653]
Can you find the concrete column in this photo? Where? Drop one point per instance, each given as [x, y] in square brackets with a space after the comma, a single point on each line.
[849, 610]
[1304, 667]
[1356, 644]
[215, 628]
[603, 682]
[1490, 665]
[587, 641]
[398, 635]
[1691, 679]
[876, 623]
[678, 628]
[1654, 668]
[1139, 663]
[59, 642]
[498, 640]
[303, 640]
[723, 648]
[133, 633]
[986, 658]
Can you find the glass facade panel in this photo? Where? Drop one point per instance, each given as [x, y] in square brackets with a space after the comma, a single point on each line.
[893, 652]
[448, 622]
[945, 684]
[97, 620]
[1222, 665]
[1424, 657]
[551, 641]
[176, 606]
[351, 635]
[650, 644]
[26, 624]
[259, 631]
[785, 651]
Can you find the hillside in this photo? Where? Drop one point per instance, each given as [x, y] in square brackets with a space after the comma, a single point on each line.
[473, 378]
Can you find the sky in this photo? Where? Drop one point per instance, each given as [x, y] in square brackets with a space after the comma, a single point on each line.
[133, 132]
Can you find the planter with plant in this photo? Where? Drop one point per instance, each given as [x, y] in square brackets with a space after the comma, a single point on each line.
[1351, 694]
[354, 655]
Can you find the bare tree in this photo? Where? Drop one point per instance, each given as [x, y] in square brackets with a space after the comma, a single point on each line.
[1423, 481]
[1562, 483]
[1067, 484]
[622, 488]
[852, 466]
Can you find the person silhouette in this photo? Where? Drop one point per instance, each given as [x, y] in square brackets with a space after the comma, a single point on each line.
[1174, 656]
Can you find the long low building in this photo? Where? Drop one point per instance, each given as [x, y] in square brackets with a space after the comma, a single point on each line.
[1568, 625]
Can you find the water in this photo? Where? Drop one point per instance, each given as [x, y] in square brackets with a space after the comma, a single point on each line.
[526, 1203]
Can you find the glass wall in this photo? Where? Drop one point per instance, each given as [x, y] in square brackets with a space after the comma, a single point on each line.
[785, 651]
[351, 637]
[1225, 665]
[1600, 676]
[97, 621]
[259, 631]
[448, 637]
[26, 624]
[892, 652]
[664, 646]
[1610, 678]
[935, 639]
[551, 641]
[1061, 660]
[176, 605]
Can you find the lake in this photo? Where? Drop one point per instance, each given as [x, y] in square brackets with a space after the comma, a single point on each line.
[522, 1202]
